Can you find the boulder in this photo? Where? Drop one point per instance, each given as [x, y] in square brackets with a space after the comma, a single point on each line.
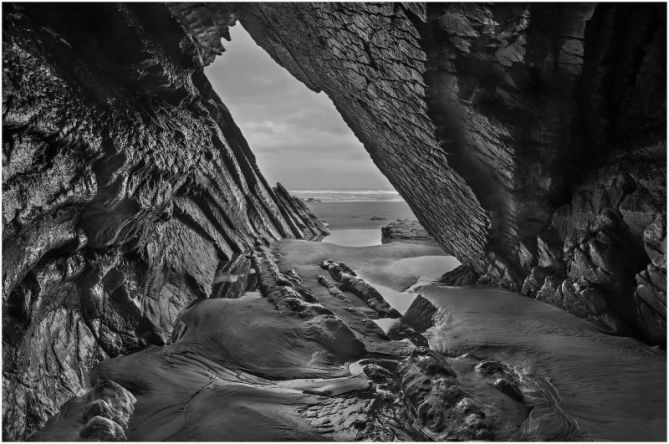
[406, 230]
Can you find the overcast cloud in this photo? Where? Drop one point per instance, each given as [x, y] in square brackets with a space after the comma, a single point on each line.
[298, 137]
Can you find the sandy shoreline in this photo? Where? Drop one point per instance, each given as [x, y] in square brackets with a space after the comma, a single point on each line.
[292, 361]
[614, 388]
[359, 215]
[381, 264]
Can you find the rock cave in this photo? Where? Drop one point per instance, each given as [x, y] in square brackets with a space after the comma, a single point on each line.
[528, 140]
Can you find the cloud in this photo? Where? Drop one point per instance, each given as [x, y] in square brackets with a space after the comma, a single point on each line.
[297, 136]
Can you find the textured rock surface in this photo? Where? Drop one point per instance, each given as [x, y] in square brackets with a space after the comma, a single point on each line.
[349, 281]
[287, 365]
[433, 392]
[528, 140]
[126, 187]
[405, 230]
[420, 314]
[461, 276]
[102, 414]
[497, 123]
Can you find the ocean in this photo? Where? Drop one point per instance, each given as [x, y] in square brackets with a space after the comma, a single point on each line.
[354, 209]
[348, 195]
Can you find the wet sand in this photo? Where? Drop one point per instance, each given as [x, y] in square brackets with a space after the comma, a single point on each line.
[246, 369]
[242, 370]
[390, 268]
[612, 388]
[391, 265]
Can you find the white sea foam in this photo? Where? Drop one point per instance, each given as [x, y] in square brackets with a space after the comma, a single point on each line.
[349, 195]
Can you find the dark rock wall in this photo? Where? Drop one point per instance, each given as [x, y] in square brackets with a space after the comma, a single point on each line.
[368, 59]
[528, 139]
[126, 186]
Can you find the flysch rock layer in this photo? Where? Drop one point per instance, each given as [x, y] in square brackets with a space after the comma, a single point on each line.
[127, 189]
[528, 140]
[292, 366]
[406, 230]
[511, 131]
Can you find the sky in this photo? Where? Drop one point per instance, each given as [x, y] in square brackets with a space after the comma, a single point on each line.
[297, 135]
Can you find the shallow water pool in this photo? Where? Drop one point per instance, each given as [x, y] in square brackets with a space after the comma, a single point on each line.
[365, 237]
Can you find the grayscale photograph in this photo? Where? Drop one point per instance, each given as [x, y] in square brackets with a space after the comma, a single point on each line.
[334, 221]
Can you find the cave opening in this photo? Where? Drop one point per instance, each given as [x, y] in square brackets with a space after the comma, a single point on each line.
[157, 288]
[300, 140]
[297, 135]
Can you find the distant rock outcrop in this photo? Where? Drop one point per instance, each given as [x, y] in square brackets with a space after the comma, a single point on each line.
[406, 230]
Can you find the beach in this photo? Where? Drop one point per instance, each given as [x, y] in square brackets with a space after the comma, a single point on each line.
[606, 387]
[358, 223]
[598, 387]
[360, 215]
[305, 357]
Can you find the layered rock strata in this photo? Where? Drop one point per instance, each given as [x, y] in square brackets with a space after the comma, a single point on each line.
[286, 365]
[529, 140]
[461, 276]
[406, 230]
[102, 414]
[509, 129]
[349, 281]
[127, 190]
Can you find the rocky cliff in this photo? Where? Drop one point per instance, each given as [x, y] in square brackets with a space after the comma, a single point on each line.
[528, 140]
[128, 192]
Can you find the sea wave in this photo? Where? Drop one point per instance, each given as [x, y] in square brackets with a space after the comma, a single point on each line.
[348, 195]
[346, 192]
